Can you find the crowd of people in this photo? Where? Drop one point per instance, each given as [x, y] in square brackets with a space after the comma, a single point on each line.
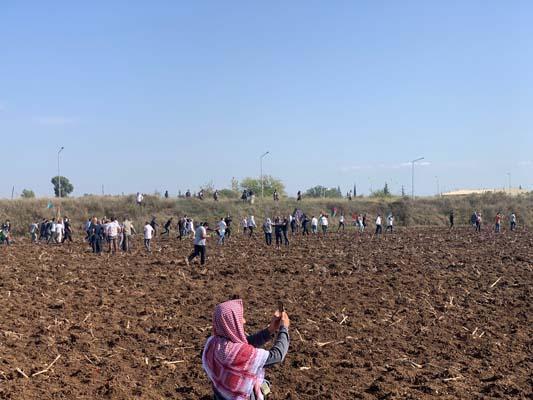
[108, 234]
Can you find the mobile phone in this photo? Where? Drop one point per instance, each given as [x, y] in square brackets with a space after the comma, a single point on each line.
[281, 307]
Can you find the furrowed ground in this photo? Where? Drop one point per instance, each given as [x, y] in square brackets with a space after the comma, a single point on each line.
[420, 314]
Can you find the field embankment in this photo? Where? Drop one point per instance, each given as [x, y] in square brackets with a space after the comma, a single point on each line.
[431, 211]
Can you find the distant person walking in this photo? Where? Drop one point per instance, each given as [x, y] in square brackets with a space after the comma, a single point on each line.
[149, 233]
[112, 232]
[200, 242]
[244, 225]
[5, 233]
[182, 228]
[228, 222]
[127, 231]
[479, 221]
[512, 221]
[361, 223]
[68, 230]
[52, 237]
[96, 235]
[473, 219]
[314, 225]
[324, 224]
[451, 219]
[305, 222]
[139, 199]
[168, 227]
[497, 222]
[267, 229]
[251, 225]
[390, 223]
[221, 228]
[379, 228]
[34, 229]
[154, 225]
[341, 223]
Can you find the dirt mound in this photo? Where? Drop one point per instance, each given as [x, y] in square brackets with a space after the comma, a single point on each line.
[419, 314]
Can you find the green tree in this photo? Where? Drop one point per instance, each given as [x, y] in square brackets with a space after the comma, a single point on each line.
[269, 185]
[386, 190]
[322, 191]
[66, 186]
[27, 194]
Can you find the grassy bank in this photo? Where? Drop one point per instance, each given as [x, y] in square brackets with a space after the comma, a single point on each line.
[423, 211]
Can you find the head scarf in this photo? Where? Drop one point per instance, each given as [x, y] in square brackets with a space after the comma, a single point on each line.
[234, 367]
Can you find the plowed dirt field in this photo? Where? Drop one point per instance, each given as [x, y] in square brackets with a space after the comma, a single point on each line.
[420, 314]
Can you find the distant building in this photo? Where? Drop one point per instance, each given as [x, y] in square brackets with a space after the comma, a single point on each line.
[466, 192]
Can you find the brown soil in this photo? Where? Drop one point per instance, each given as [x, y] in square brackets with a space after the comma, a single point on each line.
[420, 314]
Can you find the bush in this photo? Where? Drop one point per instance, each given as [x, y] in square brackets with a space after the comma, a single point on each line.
[27, 194]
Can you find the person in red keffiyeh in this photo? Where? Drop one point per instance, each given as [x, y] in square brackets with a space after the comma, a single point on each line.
[234, 362]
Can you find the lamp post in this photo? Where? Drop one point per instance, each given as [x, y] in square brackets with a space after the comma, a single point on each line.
[413, 176]
[58, 172]
[261, 171]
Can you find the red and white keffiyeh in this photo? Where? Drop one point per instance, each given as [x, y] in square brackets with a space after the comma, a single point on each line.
[234, 367]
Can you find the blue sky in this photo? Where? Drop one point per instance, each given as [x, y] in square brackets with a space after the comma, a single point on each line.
[172, 95]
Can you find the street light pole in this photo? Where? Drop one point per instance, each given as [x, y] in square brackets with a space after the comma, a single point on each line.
[413, 176]
[58, 172]
[261, 171]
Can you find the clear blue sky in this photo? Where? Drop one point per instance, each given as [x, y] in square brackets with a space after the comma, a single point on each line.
[172, 95]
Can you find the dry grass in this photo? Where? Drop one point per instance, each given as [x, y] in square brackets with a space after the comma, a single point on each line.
[424, 211]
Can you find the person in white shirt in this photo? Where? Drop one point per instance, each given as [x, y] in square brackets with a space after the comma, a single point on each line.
[251, 224]
[341, 223]
[53, 232]
[200, 242]
[60, 230]
[379, 228]
[221, 230]
[139, 199]
[191, 227]
[148, 234]
[390, 222]
[112, 231]
[324, 224]
[314, 224]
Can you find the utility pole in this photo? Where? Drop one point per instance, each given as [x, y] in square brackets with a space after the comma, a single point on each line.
[59, 172]
[413, 176]
[261, 171]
